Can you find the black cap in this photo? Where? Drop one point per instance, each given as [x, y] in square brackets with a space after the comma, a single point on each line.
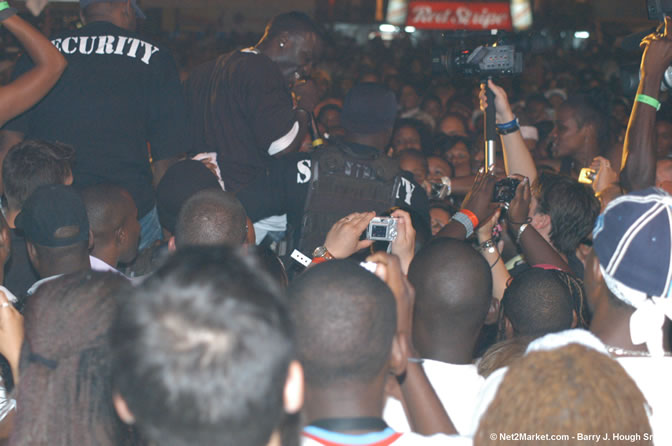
[179, 183]
[53, 216]
[369, 108]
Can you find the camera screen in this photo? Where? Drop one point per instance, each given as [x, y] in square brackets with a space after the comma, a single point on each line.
[379, 231]
[504, 192]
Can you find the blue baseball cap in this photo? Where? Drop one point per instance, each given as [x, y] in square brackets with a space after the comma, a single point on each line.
[138, 12]
[633, 243]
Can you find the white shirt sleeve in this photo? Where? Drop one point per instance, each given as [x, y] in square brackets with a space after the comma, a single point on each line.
[282, 143]
[6, 404]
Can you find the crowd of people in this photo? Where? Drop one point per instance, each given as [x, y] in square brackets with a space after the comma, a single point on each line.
[299, 243]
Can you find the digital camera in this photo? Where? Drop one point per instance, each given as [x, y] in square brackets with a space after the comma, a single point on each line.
[505, 190]
[382, 229]
[441, 190]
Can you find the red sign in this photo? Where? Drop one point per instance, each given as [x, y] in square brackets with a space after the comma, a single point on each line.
[459, 15]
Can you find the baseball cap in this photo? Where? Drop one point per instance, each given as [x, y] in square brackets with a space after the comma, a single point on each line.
[138, 12]
[633, 243]
[369, 108]
[52, 208]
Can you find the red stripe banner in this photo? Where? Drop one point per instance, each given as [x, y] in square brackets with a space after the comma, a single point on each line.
[459, 15]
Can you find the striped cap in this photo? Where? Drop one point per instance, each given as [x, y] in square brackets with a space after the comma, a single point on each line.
[633, 243]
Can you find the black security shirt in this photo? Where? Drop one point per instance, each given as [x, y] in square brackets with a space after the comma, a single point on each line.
[238, 105]
[283, 187]
[119, 93]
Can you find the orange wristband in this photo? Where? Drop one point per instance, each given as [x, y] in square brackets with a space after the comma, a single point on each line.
[472, 217]
[318, 260]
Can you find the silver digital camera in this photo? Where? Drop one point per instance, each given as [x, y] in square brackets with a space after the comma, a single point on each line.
[441, 190]
[382, 229]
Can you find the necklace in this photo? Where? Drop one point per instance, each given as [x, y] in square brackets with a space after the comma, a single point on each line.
[617, 351]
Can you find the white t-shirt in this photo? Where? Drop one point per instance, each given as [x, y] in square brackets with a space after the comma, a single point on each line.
[456, 385]
[6, 404]
[99, 265]
[318, 437]
[653, 376]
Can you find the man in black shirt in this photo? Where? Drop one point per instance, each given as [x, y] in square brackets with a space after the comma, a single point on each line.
[240, 104]
[368, 117]
[119, 94]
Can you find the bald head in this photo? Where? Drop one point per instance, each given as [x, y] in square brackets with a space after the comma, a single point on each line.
[107, 206]
[211, 217]
[345, 319]
[453, 293]
[113, 219]
[123, 13]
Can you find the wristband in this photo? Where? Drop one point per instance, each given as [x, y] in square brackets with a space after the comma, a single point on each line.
[508, 125]
[648, 100]
[465, 221]
[318, 260]
[527, 220]
[520, 232]
[6, 11]
[472, 217]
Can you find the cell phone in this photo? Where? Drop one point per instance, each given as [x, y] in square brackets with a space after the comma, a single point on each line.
[587, 175]
[505, 190]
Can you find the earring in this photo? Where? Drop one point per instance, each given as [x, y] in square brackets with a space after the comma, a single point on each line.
[282, 44]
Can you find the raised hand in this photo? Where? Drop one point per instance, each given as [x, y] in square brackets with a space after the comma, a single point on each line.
[343, 238]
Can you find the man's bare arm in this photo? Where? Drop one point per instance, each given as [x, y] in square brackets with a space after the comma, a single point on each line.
[638, 169]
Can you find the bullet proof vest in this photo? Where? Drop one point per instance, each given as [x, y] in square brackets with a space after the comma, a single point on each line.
[346, 180]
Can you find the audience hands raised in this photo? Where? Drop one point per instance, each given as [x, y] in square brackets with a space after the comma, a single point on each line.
[389, 270]
[343, 238]
[519, 208]
[658, 51]
[605, 175]
[484, 231]
[404, 245]
[479, 199]
[502, 106]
